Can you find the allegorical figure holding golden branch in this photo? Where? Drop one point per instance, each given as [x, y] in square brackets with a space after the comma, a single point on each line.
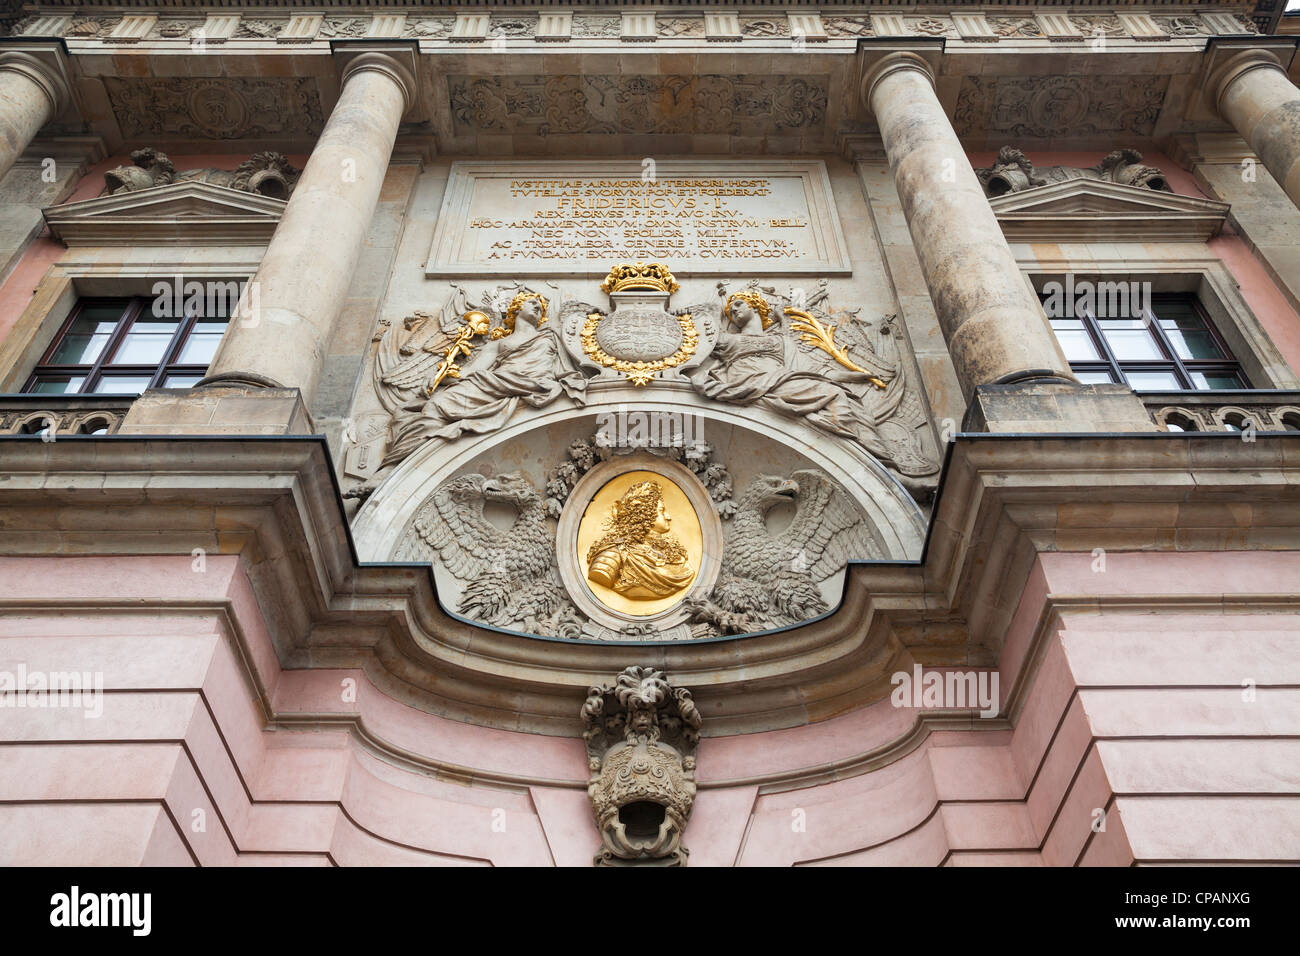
[636, 556]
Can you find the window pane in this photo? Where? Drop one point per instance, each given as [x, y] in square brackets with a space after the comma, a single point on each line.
[121, 384]
[1074, 339]
[146, 341]
[181, 380]
[1129, 339]
[202, 343]
[1214, 380]
[1152, 381]
[58, 384]
[1094, 378]
[88, 335]
[1188, 334]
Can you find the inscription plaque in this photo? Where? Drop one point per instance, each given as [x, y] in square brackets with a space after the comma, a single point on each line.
[760, 217]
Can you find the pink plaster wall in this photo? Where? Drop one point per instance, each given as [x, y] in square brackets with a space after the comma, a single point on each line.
[206, 752]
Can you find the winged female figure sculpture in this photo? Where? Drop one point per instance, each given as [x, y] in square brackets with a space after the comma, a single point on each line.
[521, 361]
[759, 362]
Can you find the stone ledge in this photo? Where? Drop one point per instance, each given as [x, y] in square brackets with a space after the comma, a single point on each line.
[1050, 407]
[218, 410]
[275, 502]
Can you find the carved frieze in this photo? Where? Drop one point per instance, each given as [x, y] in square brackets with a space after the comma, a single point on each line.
[1044, 107]
[642, 734]
[92, 27]
[679, 26]
[215, 108]
[600, 103]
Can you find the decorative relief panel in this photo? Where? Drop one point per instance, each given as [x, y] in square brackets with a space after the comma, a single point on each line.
[333, 28]
[600, 26]
[752, 105]
[680, 27]
[515, 27]
[429, 27]
[92, 27]
[1053, 106]
[839, 27]
[931, 26]
[638, 546]
[1016, 27]
[259, 29]
[767, 28]
[225, 108]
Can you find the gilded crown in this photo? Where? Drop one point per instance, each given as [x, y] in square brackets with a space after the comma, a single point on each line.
[642, 277]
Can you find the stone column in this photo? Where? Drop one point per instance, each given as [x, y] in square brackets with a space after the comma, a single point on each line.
[1252, 92]
[300, 286]
[993, 323]
[31, 94]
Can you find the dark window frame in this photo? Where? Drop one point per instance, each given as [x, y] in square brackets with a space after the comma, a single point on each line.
[1181, 368]
[132, 308]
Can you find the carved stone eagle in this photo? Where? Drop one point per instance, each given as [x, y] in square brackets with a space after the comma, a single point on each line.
[770, 580]
[509, 575]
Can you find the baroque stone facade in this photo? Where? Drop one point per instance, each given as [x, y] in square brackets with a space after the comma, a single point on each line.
[526, 435]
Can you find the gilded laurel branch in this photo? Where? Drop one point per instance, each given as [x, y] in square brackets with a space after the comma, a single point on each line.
[823, 337]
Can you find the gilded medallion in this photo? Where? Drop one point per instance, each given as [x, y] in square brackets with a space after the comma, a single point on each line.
[640, 544]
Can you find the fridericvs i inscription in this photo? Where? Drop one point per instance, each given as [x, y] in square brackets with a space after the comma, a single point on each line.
[706, 217]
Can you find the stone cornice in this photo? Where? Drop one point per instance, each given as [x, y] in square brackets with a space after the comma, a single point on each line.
[1085, 210]
[183, 213]
[1003, 500]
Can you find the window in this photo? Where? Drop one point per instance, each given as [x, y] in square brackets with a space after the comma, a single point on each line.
[1172, 347]
[121, 347]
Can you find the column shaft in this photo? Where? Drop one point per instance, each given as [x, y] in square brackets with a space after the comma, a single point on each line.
[300, 286]
[29, 99]
[993, 324]
[1253, 93]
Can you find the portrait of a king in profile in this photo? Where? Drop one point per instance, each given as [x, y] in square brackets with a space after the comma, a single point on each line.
[636, 555]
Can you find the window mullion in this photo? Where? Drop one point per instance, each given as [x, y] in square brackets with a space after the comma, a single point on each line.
[124, 322]
[1103, 347]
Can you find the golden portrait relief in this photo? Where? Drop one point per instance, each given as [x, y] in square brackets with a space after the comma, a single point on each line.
[640, 543]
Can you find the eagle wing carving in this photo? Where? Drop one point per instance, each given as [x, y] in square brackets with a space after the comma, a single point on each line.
[509, 575]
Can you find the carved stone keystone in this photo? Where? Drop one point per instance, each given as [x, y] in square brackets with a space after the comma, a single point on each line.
[641, 735]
